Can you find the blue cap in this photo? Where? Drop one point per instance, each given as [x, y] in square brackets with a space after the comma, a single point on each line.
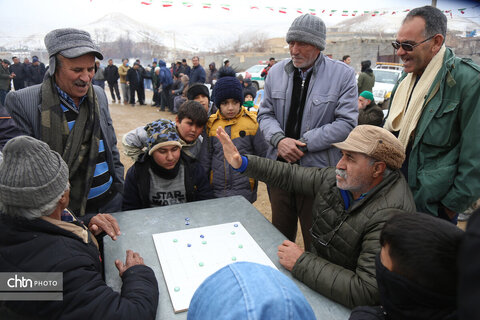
[246, 290]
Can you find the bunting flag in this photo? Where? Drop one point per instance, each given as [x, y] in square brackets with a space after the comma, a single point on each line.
[285, 10]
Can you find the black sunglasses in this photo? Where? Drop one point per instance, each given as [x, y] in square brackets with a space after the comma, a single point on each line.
[408, 46]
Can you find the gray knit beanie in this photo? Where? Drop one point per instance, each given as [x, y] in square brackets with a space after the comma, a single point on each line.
[309, 29]
[31, 175]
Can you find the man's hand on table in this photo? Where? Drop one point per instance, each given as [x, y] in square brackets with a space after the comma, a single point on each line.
[133, 259]
[288, 254]
[104, 222]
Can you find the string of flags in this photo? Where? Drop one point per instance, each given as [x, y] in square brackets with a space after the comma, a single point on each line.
[284, 10]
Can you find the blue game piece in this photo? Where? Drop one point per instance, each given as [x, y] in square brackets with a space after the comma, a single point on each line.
[202, 236]
[235, 225]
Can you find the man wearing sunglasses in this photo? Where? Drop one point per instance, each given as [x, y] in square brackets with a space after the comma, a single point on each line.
[351, 204]
[435, 113]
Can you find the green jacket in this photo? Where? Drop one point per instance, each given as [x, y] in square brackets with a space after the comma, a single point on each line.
[366, 81]
[444, 164]
[344, 269]
[4, 78]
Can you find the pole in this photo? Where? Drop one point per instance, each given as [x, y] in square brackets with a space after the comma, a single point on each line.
[434, 3]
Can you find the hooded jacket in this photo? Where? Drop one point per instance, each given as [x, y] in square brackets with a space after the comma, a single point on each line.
[366, 81]
[243, 130]
[164, 77]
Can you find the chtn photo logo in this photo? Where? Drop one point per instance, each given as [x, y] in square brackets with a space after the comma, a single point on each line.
[16, 282]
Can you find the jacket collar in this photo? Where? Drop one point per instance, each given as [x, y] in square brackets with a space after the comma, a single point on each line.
[290, 68]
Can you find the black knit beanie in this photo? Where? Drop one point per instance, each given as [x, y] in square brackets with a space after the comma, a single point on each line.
[227, 87]
[196, 89]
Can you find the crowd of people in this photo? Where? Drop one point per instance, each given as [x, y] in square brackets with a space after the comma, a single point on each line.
[24, 74]
[377, 199]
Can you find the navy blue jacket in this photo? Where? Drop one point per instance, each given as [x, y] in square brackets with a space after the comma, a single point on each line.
[137, 183]
[197, 74]
[35, 74]
[40, 246]
[8, 129]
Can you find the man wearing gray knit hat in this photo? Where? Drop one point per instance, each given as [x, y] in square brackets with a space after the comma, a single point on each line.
[310, 102]
[71, 115]
[38, 234]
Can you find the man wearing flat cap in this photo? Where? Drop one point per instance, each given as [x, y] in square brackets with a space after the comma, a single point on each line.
[352, 202]
[310, 102]
[36, 237]
[71, 115]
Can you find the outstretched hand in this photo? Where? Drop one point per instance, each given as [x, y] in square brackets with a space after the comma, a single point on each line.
[230, 152]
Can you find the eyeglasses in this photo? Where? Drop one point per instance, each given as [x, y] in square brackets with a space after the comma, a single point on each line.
[408, 46]
[325, 239]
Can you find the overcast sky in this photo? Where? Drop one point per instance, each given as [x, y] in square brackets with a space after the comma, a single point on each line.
[25, 17]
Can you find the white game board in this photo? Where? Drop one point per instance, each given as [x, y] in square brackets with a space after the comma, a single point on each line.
[189, 256]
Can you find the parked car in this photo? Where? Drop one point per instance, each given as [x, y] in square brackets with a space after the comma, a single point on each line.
[386, 76]
[254, 72]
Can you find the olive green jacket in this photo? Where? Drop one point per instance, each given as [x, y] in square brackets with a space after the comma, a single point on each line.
[366, 81]
[343, 269]
[444, 164]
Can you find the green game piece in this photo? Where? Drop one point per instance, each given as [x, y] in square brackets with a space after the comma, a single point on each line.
[240, 246]
[175, 240]
[233, 232]
[176, 289]
[204, 242]
[201, 264]
[234, 258]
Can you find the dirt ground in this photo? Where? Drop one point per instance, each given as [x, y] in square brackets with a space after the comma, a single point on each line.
[126, 118]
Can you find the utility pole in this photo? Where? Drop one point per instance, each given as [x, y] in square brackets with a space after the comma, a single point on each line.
[434, 3]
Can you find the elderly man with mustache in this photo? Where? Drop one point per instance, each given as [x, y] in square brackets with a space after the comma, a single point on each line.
[352, 202]
[71, 115]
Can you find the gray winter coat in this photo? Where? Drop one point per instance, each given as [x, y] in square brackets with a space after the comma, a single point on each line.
[331, 109]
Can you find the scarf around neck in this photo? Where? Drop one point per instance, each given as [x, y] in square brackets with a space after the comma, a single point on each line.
[78, 147]
[404, 114]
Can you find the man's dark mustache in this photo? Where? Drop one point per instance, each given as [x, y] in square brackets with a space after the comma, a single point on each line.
[81, 83]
